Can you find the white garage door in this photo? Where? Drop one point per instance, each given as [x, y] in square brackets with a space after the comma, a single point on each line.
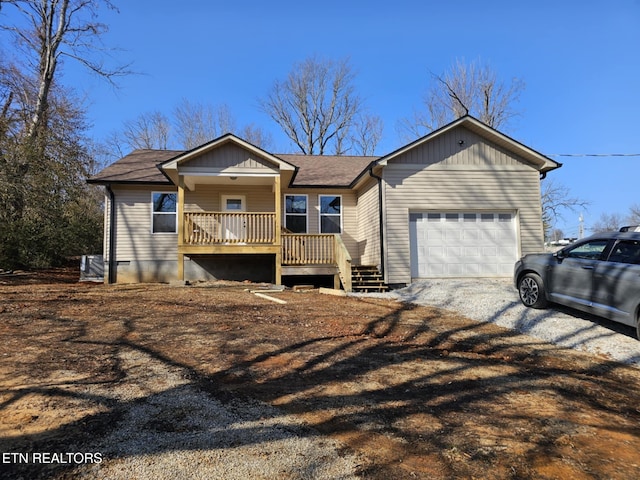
[462, 244]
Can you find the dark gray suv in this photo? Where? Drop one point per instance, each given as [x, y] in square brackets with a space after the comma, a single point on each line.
[599, 274]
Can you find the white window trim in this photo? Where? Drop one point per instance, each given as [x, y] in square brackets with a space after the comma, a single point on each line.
[341, 214]
[164, 213]
[225, 197]
[306, 215]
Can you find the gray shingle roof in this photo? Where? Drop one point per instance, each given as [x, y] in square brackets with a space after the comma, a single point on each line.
[325, 170]
[141, 166]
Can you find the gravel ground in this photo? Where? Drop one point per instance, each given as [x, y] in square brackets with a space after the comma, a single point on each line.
[496, 301]
[171, 430]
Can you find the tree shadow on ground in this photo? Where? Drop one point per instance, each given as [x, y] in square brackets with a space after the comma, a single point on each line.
[434, 401]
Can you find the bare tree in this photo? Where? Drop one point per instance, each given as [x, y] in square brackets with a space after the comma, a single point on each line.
[316, 105]
[557, 199]
[473, 89]
[556, 234]
[367, 132]
[613, 221]
[55, 29]
[257, 136]
[193, 124]
[43, 156]
[608, 222]
[634, 214]
[149, 130]
[198, 123]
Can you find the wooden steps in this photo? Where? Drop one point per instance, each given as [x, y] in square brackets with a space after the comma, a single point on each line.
[366, 278]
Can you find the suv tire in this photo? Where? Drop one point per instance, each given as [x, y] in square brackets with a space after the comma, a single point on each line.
[531, 291]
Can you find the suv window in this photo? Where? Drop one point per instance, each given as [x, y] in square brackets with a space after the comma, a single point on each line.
[626, 251]
[590, 250]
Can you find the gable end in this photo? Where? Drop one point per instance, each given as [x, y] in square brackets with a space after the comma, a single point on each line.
[460, 147]
[229, 156]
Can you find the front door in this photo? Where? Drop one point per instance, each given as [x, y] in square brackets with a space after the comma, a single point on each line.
[234, 227]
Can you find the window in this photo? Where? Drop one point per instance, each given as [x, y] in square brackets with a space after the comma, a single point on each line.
[590, 250]
[626, 251]
[233, 203]
[164, 212]
[295, 216]
[330, 214]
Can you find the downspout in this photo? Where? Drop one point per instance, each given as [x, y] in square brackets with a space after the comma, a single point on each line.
[380, 218]
[112, 237]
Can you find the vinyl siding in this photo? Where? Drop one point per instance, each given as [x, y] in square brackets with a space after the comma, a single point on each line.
[349, 215]
[230, 156]
[446, 176]
[207, 198]
[447, 150]
[369, 224]
[134, 239]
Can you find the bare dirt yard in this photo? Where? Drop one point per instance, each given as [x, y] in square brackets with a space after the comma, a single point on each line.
[400, 391]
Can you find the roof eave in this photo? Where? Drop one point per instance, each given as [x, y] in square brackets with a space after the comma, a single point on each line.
[127, 182]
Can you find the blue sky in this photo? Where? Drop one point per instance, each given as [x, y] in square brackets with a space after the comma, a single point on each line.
[579, 59]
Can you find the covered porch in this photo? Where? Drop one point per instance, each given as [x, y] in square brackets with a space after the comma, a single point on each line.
[259, 233]
[229, 203]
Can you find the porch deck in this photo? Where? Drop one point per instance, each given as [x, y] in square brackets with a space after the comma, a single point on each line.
[258, 232]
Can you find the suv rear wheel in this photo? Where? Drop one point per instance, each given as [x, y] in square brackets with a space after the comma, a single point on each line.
[531, 290]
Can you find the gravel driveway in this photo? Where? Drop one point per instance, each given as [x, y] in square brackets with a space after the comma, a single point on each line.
[496, 301]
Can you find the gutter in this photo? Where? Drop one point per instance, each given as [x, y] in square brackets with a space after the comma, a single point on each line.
[112, 238]
[380, 218]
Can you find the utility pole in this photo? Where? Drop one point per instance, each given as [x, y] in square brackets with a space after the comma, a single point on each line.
[581, 227]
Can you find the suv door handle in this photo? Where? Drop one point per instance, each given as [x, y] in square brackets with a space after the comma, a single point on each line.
[587, 267]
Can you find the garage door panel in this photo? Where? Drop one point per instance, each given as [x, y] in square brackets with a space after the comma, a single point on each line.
[490, 251]
[469, 254]
[452, 252]
[472, 269]
[463, 244]
[469, 235]
[438, 254]
[434, 235]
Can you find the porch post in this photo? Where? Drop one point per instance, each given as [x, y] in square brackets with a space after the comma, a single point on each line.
[278, 227]
[180, 227]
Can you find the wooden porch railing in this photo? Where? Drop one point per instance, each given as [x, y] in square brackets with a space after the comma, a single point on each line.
[209, 228]
[318, 249]
[308, 249]
[343, 260]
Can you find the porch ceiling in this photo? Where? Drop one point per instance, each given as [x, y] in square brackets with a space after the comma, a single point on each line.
[191, 181]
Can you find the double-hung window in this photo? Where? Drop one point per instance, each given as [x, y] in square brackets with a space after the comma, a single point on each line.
[295, 216]
[330, 214]
[164, 212]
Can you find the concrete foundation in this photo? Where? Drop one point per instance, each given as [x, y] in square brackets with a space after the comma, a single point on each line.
[256, 268]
